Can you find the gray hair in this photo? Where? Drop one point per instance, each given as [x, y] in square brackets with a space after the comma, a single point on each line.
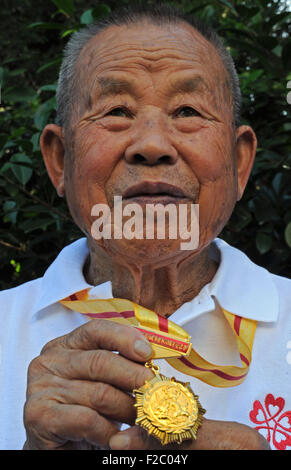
[162, 15]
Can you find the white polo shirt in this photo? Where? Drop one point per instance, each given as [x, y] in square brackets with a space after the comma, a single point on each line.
[31, 315]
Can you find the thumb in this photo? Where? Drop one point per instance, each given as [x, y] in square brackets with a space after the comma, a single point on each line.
[134, 438]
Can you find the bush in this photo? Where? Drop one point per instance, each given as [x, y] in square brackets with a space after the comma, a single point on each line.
[36, 223]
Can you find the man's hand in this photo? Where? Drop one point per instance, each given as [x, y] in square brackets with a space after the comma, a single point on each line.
[212, 435]
[79, 390]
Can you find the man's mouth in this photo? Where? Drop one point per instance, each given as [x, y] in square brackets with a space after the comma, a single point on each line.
[151, 192]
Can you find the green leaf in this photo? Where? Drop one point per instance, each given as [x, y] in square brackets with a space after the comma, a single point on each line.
[51, 87]
[287, 234]
[249, 77]
[32, 224]
[10, 214]
[278, 51]
[5, 167]
[208, 13]
[68, 31]
[43, 25]
[65, 6]
[263, 242]
[277, 181]
[229, 5]
[43, 112]
[101, 10]
[18, 132]
[15, 72]
[22, 173]
[35, 141]
[87, 17]
[53, 63]
[243, 218]
[19, 94]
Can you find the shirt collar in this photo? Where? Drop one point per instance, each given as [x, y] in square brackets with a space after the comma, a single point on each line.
[64, 276]
[239, 286]
[244, 288]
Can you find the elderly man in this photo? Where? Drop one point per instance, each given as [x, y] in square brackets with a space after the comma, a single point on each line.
[148, 110]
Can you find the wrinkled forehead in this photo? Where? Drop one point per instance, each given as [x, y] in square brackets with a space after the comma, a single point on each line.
[151, 46]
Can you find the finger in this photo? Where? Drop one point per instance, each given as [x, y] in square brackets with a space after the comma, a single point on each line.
[75, 422]
[98, 366]
[103, 398]
[104, 334]
[134, 438]
[60, 423]
[107, 400]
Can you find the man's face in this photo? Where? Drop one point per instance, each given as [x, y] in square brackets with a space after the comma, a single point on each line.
[153, 107]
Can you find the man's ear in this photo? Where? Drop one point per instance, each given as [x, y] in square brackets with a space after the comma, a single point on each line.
[246, 146]
[53, 152]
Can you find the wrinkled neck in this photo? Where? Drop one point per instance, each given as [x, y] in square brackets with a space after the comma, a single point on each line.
[162, 288]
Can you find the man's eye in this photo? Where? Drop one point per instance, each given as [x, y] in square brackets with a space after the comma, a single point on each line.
[119, 112]
[186, 111]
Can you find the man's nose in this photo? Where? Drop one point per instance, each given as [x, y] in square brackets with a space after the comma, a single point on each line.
[151, 145]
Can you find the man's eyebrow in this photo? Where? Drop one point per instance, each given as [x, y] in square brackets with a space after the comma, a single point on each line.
[188, 85]
[112, 86]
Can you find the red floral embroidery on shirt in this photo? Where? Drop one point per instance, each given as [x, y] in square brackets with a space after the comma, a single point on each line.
[272, 421]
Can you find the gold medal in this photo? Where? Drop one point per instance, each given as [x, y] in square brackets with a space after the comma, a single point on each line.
[168, 409]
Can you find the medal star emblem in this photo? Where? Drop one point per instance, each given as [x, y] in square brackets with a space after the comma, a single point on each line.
[168, 409]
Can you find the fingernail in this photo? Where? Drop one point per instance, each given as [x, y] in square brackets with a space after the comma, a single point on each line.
[143, 348]
[119, 442]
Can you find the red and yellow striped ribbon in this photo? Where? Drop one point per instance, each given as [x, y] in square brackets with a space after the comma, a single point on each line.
[170, 340]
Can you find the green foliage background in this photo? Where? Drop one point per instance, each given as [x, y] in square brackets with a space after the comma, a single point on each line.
[36, 223]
